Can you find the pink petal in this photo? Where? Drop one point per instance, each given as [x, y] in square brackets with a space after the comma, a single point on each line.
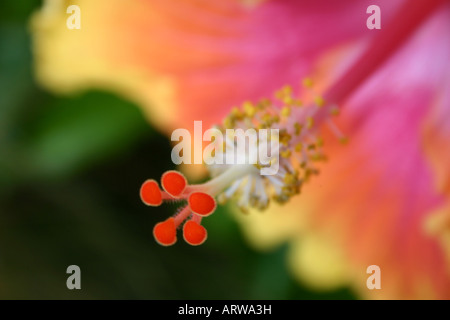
[381, 187]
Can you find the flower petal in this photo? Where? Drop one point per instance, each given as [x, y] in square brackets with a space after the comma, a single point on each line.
[374, 195]
[437, 137]
[189, 59]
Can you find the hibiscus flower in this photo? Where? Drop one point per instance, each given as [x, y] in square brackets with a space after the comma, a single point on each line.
[382, 199]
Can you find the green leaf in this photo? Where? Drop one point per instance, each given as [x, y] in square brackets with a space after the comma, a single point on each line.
[75, 132]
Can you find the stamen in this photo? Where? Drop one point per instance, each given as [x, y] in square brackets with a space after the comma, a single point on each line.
[182, 215]
[307, 82]
[320, 101]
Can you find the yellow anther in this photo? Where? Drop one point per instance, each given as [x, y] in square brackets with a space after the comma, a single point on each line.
[262, 205]
[319, 142]
[307, 175]
[243, 209]
[288, 101]
[290, 191]
[307, 82]
[284, 93]
[285, 138]
[316, 157]
[282, 198]
[258, 166]
[263, 103]
[253, 201]
[286, 112]
[309, 122]
[275, 119]
[287, 90]
[237, 113]
[298, 147]
[319, 157]
[279, 94]
[298, 102]
[228, 122]
[320, 101]
[289, 178]
[309, 172]
[249, 109]
[343, 140]
[267, 117]
[298, 128]
[334, 111]
[286, 153]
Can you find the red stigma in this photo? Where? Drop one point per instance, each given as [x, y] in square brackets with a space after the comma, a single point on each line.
[201, 203]
[165, 232]
[150, 193]
[194, 233]
[173, 183]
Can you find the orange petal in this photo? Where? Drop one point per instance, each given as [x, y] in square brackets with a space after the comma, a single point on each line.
[438, 225]
[437, 138]
[180, 60]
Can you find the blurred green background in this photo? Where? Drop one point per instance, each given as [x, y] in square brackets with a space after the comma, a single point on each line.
[70, 173]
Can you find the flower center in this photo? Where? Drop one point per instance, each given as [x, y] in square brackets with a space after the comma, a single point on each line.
[293, 151]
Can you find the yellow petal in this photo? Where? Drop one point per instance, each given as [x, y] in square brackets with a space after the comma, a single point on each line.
[70, 60]
[318, 263]
[438, 225]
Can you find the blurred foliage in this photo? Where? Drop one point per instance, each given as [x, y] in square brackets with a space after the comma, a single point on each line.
[70, 172]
